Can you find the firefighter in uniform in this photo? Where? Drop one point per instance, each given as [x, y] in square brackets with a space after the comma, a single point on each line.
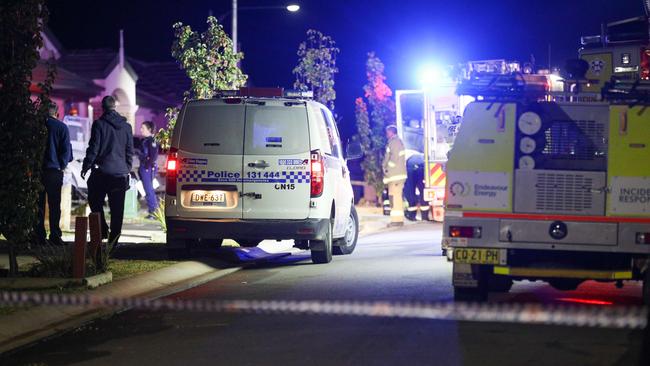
[414, 188]
[394, 166]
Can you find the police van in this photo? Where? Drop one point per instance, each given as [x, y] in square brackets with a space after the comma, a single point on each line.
[259, 164]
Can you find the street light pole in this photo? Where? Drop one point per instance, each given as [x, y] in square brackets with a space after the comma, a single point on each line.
[234, 26]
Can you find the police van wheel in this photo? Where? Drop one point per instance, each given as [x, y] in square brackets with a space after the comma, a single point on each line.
[324, 253]
[348, 242]
[248, 243]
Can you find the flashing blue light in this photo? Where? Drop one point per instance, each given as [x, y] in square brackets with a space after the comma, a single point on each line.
[431, 76]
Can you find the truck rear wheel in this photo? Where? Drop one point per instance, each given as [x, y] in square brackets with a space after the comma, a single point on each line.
[471, 294]
[501, 284]
[565, 284]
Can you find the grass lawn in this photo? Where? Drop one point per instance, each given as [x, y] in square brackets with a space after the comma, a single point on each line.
[121, 268]
[124, 268]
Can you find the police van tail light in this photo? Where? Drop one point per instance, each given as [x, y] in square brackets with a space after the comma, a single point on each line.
[172, 171]
[465, 231]
[317, 177]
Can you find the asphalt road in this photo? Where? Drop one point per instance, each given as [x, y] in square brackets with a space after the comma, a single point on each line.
[402, 265]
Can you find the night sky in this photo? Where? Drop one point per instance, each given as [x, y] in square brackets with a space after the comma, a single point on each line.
[404, 34]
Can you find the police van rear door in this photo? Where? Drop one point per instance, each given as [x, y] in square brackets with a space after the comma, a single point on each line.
[276, 171]
[210, 157]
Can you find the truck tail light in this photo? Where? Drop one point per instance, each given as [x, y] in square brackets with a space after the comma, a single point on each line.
[643, 238]
[317, 177]
[172, 171]
[645, 64]
[465, 231]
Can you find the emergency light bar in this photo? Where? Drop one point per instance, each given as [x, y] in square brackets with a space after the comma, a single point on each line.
[265, 93]
[502, 86]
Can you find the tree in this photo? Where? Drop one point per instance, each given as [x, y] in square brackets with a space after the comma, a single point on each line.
[209, 62]
[317, 66]
[22, 121]
[382, 114]
[371, 174]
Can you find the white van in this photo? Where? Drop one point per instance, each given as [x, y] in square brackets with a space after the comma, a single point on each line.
[258, 165]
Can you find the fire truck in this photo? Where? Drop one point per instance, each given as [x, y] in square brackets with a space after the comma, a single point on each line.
[555, 186]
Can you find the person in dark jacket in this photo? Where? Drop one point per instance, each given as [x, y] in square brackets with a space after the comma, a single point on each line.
[414, 188]
[58, 153]
[148, 155]
[110, 156]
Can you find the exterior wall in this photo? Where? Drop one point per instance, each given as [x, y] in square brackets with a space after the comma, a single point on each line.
[120, 84]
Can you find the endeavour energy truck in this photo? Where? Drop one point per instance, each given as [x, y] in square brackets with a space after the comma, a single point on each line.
[553, 186]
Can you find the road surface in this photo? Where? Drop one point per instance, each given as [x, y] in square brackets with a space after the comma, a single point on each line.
[399, 265]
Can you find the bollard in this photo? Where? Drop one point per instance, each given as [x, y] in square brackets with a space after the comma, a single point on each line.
[79, 250]
[95, 238]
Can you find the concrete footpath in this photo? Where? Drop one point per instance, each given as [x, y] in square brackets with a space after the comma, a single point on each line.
[27, 326]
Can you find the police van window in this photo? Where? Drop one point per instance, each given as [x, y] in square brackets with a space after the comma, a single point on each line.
[272, 130]
[212, 128]
[332, 134]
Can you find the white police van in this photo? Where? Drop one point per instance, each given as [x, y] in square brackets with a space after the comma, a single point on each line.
[259, 164]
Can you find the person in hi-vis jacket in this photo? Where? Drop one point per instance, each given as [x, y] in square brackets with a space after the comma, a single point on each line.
[394, 166]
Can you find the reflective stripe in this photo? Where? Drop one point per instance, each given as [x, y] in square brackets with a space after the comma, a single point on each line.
[424, 208]
[563, 273]
[395, 178]
[412, 209]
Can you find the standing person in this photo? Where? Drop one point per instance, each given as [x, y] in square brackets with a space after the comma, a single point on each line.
[110, 156]
[148, 167]
[394, 165]
[414, 188]
[58, 153]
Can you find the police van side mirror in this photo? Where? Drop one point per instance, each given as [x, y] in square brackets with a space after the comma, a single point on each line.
[353, 150]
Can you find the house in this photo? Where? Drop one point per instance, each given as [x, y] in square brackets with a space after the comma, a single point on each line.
[143, 90]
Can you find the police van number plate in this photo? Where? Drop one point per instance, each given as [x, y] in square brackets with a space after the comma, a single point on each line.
[215, 198]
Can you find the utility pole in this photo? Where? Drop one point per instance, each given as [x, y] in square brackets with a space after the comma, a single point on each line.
[234, 26]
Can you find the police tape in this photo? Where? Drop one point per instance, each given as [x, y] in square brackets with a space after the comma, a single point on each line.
[630, 317]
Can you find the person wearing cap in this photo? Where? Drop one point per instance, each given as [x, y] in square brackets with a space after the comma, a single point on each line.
[109, 157]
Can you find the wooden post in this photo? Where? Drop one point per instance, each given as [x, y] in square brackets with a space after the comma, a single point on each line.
[79, 251]
[95, 237]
